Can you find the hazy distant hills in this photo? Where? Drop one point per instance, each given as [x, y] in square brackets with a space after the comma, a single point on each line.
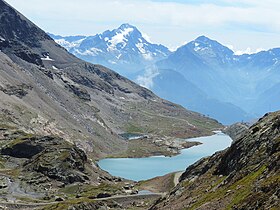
[203, 75]
[246, 81]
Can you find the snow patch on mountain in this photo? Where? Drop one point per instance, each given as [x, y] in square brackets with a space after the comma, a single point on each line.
[124, 49]
[68, 45]
[91, 52]
[119, 38]
[146, 55]
[146, 36]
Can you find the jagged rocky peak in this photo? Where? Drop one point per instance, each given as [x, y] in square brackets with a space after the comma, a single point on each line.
[124, 49]
[127, 26]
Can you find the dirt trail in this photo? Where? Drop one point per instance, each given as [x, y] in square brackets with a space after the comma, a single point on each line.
[117, 198]
[177, 176]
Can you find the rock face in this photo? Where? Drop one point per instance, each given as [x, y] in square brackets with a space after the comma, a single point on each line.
[236, 131]
[47, 91]
[50, 156]
[245, 176]
[17, 90]
[15, 27]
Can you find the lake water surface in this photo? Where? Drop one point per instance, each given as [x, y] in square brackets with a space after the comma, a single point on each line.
[145, 168]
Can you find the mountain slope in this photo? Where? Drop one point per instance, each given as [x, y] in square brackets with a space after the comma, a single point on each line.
[238, 82]
[46, 90]
[123, 49]
[244, 176]
[173, 86]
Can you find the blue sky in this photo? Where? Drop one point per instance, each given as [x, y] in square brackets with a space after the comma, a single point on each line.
[215, 2]
[245, 26]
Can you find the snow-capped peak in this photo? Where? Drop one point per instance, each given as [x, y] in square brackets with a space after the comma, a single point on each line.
[122, 48]
[203, 39]
[126, 26]
[120, 37]
[204, 45]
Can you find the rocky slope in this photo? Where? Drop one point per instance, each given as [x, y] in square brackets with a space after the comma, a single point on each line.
[237, 130]
[244, 176]
[46, 90]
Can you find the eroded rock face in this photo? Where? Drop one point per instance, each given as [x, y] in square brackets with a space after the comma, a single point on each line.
[257, 146]
[50, 156]
[22, 150]
[15, 27]
[17, 90]
[64, 164]
[81, 93]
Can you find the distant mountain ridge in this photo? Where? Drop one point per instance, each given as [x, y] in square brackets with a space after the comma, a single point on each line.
[123, 49]
[242, 80]
[224, 85]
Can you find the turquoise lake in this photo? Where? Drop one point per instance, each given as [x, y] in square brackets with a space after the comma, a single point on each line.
[145, 168]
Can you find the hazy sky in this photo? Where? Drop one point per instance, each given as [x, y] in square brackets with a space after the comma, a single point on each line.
[246, 25]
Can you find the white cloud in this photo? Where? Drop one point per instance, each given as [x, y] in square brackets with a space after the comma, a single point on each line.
[146, 80]
[248, 50]
[159, 19]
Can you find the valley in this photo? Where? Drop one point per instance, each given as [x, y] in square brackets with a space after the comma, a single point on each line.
[59, 115]
[76, 135]
[235, 88]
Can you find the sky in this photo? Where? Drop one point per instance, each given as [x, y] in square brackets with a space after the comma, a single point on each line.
[242, 25]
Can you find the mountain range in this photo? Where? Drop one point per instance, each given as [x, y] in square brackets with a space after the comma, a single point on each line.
[202, 75]
[59, 114]
[123, 49]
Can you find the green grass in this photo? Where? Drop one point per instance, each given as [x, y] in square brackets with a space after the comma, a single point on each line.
[246, 190]
[130, 128]
[11, 172]
[2, 163]
[240, 189]
[88, 190]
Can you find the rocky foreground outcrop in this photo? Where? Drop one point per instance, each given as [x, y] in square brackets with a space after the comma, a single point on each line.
[244, 176]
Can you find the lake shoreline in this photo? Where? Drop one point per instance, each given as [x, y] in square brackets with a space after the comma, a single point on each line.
[144, 168]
